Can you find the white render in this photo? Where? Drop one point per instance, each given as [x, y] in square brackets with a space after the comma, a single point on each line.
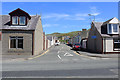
[108, 45]
[114, 21]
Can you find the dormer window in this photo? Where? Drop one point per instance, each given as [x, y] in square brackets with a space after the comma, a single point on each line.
[18, 20]
[22, 20]
[15, 20]
[113, 28]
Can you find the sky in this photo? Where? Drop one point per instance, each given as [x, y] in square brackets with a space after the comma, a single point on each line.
[65, 17]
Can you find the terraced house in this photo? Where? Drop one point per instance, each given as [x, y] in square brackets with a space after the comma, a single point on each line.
[104, 37]
[21, 33]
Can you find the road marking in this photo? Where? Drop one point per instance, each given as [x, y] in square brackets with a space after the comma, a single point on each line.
[114, 71]
[58, 52]
[68, 46]
[38, 55]
[76, 53]
[68, 54]
[59, 57]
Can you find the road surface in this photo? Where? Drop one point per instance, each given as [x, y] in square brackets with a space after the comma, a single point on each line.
[61, 62]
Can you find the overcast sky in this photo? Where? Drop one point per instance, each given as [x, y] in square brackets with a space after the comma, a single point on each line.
[65, 16]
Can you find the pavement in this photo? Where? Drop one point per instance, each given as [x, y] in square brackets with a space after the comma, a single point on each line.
[98, 55]
[61, 62]
[8, 58]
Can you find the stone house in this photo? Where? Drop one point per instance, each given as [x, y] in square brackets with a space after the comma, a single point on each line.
[22, 34]
[104, 37]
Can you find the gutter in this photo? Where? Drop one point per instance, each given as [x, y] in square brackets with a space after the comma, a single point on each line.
[33, 42]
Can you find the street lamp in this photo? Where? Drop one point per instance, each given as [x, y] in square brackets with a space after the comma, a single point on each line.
[92, 15]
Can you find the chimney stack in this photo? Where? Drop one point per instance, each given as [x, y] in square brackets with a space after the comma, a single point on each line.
[83, 29]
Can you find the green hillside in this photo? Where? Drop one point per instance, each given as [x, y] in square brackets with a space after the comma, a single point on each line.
[65, 34]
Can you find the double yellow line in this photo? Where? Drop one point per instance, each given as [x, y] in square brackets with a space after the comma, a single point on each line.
[38, 55]
[84, 55]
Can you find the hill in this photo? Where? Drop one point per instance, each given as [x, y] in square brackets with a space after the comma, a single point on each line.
[71, 34]
[65, 34]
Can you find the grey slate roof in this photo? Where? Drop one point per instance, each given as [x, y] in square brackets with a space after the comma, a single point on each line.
[5, 23]
[98, 27]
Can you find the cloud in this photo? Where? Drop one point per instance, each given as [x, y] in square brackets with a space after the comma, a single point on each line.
[81, 14]
[58, 16]
[50, 25]
[55, 15]
[77, 16]
[94, 11]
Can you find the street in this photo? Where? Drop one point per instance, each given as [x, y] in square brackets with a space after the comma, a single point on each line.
[61, 62]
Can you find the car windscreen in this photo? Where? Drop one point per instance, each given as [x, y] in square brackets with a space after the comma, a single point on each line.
[77, 44]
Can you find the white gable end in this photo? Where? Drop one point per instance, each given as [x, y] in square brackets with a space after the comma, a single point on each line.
[114, 20]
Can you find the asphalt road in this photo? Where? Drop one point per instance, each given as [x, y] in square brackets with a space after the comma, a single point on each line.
[62, 62]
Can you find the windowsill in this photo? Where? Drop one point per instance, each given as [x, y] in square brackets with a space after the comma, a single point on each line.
[18, 26]
[15, 49]
[113, 33]
[117, 49]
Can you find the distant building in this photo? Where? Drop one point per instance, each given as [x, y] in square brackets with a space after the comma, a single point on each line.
[104, 37]
[75, 39]
[65, 37]
[53, 39]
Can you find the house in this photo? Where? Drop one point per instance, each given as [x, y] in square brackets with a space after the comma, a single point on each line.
[65, 37]
[104, 37]
[53, 39]
[77, 39]
[84, 44]
[84, 33]
[22, 34]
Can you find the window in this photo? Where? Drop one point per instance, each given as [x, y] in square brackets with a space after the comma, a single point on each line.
[20, 42]
[110, 28]
[117, 44]
[16, 42]
[113, 29]
[19, 20]
[22, 20]
[12, 42]
[15, 20]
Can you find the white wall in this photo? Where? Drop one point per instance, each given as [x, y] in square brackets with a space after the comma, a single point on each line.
[109, 45]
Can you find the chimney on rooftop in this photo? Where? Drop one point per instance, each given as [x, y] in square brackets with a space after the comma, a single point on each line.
[83, 29]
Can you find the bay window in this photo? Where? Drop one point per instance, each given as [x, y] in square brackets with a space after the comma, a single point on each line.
[113, 29]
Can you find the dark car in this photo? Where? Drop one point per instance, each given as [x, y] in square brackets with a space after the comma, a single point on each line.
[76, 46]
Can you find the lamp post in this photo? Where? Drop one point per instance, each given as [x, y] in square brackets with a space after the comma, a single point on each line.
[92, 15]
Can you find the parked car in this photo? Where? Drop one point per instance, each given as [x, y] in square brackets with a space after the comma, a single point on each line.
[57, 43]
[76, 46]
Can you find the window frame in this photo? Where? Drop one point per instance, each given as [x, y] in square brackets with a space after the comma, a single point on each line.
[112, 29]
[16, 38]
[118, 41]
[17, 20]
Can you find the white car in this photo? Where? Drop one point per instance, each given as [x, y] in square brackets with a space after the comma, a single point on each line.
[57, 43]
